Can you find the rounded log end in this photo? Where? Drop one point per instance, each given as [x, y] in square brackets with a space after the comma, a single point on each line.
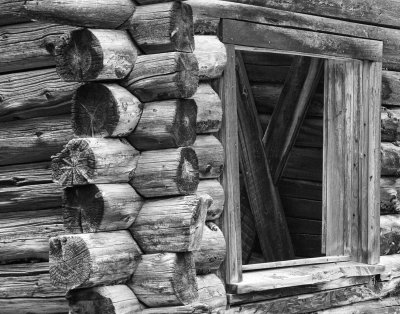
[187, 178]
[74, 165]
[184, 279]
[64, 252]
[83, 209]
[185, 123]
[182, 28]
[101, 110]
[188, 76]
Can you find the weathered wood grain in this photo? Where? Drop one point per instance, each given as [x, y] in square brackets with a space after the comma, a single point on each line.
[210, 154]
[100, 207]
[174, 272]
[212, 250]
[390, 234]
[390, 159]
[12, 12]
[390, 194]
[384, 306]
[171, 224]
[25, 174]
[97, 258]
[29, 45]
[104, 110]
[95, 54]
[25, 235]
[98, 14]
[94, 160]
[390, 124]
[216, 191]
[163, 76]
[166, 172]
[33, 139]
[212, 292]
[162, 27]
[34, 305]
[165, 124]
[34, 94]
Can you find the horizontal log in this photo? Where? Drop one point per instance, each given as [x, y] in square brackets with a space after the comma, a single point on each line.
[390, 124]
[25, 235]
[163, 76]
[210, 153]
[100, 207]
[30, 197]
[171, 224]
[117, 299]
[390, 160]
[211, 56]
[391, 88]
[162, 27]
[100, 161]
[216, 191]
[33, 139]
[112, 55]
[34, 94]
[34, 305]
[167, 172]
[25, 174]
[104, 110]
[100, 14]
[29, 45]
[382, 306]
[390, 194]
[209, 109]
[211, 253]
[165, 124]
[193, 308]
[174, 272]
[12, 12]
[98, 259]
[212, 292]
[390, 234]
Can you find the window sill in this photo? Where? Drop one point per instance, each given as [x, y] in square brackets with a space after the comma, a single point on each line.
[262, 280]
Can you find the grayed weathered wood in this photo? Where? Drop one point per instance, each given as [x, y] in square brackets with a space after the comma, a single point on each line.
[390, 194]
[29, 45]
[208, 13]
[94, 160]
[211, 55]
[33, 94]
[95, 54]
[163, 76]
[117, 299]
[390, 158]
[96, 258]
[290, 112]
[212, 250]
[33, 139]
[104, 110]
[25, 174]
[210, 154]
[25, 235]
[384, 306]
[174, 272]
[216, 191]
[212, 292]
[173, 171]
[100, 14]
[34, 305]
[12, 12]
[392, 267]
[162, 27]
[390, 88]
[209, 109]
[193, 308]
[390, 234]
[263, 195]
[390, 124]
[171, 224]
[302, 275]
[100, 207]
[165, 124]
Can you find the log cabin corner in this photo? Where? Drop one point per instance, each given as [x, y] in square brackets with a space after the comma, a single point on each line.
[235, 156]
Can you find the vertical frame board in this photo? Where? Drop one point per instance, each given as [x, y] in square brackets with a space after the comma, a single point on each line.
[230, 180]
[351, 159]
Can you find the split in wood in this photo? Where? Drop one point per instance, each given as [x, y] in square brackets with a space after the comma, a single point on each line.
[171, 224]
[92, 259]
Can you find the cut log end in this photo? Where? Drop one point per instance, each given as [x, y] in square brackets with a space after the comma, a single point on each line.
[187, 173]
[182, 30]
[184, 279]
[104, 110]
[74, 165]
[67, 251]
[184, 129]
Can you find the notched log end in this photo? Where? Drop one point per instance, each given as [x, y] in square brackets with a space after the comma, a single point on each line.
[184, 279]
[188, 75]
[64, 252]
[74, 165]
[187, 178]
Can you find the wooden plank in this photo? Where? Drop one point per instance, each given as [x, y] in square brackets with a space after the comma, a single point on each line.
[302, 275]
[304, 226]
[290, 112]
[210, 12]
[29, 45]
[264, 199]
[293, 41]
[296, 262]
[307, 245]
[302, 208]
[300, 189]
[230, 178]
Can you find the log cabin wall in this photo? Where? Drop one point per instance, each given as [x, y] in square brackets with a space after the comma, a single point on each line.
[127, 266]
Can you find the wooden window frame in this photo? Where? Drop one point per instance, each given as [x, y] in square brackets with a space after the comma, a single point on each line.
[351, 166]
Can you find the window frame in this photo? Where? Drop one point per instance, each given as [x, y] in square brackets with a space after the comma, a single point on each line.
[356, 111]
